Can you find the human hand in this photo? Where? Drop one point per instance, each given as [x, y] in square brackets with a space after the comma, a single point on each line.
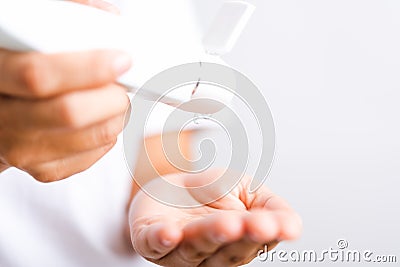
[60, 113]
[227, 232]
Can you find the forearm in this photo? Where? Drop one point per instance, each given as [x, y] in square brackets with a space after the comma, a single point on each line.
[152, 162]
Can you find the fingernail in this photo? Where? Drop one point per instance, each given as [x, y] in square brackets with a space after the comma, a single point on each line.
[121, 63]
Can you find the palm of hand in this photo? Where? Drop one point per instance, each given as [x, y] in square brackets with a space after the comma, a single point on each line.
[226, 232]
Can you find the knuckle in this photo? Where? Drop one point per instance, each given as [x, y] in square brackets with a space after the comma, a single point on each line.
[34, 75]
[235, 260]
[69, 112]
[187, 257]
[192, 253]
[107, 134]
[194, 256]
[231, 259]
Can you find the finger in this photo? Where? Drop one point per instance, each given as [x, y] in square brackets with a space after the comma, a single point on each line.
[266, 226]
[211, 185]
[290, 225]
[72, 111]
[276, 203]
[90, 138]
[64, 168]
[262, 226]
[52, 146]
[37, 75]
[156, 240]
[205, 236]
[99, 4]
[266, 199]
[287, 219]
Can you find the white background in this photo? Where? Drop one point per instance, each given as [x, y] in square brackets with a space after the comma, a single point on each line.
[330, 71]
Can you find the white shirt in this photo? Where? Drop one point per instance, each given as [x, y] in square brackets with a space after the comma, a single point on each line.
[79, 221]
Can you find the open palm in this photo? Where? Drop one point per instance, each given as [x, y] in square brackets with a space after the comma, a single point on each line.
[227, 232]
